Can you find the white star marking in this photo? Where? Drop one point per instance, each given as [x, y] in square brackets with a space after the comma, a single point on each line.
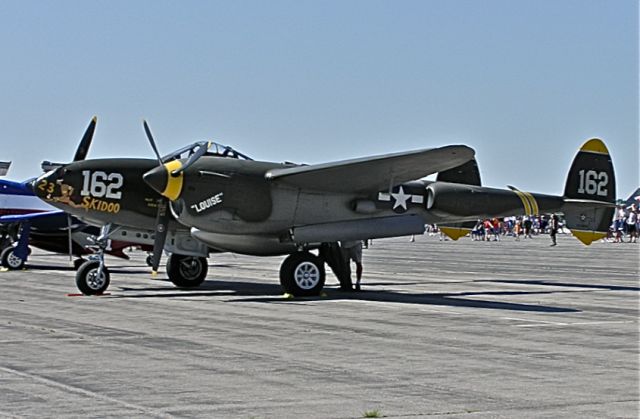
[401, 199]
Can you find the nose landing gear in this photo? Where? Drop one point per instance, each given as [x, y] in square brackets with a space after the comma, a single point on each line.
[92, 277]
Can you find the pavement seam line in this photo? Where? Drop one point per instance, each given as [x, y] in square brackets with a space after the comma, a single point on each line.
[73, 389]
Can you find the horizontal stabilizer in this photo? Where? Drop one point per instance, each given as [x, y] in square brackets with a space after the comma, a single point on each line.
[591, 203]
[4, 167]
[454, 233]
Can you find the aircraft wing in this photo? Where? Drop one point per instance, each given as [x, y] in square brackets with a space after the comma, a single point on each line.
[372, 174]
[17, 218]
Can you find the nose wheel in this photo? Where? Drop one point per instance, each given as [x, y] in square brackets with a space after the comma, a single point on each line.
[92, 276]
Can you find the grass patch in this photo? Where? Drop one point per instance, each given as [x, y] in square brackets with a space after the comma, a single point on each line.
[372, 414]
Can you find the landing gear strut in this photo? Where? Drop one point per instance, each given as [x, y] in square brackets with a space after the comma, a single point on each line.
[92, 277]
[14, 258]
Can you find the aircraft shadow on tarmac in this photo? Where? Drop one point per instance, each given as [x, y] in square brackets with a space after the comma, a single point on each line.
[563, 284]
[272, 293]
[29, 266]
[120, 270]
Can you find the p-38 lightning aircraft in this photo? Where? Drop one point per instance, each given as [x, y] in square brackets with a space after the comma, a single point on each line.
[231, 203]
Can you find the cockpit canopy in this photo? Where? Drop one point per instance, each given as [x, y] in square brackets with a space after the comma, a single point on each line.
[215, 150]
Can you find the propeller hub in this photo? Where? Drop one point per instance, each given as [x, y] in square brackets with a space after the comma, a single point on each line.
[161, 179]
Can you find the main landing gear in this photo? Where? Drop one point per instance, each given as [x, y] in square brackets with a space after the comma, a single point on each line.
[302, 274]
[14, 257]
[187, 271]
[10, 260]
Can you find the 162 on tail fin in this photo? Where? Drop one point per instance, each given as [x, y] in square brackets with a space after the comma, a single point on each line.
[590, 192]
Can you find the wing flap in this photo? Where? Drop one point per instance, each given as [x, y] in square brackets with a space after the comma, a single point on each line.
[372, 174]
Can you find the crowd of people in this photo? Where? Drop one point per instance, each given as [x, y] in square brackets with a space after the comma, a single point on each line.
[626, 224]
[521, 227]
[625, 227]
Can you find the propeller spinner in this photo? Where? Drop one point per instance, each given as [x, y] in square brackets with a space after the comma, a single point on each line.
[163, 181]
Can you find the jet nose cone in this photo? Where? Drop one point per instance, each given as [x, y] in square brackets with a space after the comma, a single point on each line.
[162, 181]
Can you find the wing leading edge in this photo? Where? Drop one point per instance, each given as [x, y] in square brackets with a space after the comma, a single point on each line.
[17, 218]
[372, 174]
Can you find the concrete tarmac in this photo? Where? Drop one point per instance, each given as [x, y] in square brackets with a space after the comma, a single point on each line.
[441, 329]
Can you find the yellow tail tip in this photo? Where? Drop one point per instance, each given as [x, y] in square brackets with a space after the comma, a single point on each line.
[455, 233]
[595, 145]
[588, 237]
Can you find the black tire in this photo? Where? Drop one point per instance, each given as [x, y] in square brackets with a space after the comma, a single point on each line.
[4, 243]
[149, 260]
[302, 274]
[187, 271]
[11, 261]
[87, 279]
[77, 263]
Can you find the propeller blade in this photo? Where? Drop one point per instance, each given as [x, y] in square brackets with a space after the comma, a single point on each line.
[85, 143]
[202, 149]
[151, 141]
[162, 220]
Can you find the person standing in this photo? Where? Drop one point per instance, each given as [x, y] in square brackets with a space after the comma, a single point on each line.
[618, 224]
[554, 224]
[632, 219]
[352, 251]
[526, 224]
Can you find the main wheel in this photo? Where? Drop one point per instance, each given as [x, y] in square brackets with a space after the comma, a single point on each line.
[149, 260]
[187, 271]
[10, 260]
[89, 282]
[302, 274]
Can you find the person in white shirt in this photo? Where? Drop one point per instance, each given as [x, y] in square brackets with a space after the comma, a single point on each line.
[352, 251]
[632, 219]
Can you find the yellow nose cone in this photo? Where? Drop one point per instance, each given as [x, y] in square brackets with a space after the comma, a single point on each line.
[163, 182]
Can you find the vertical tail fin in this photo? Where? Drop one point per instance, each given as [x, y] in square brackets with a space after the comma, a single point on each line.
[590, 192]
[4, 167]
[467, 174]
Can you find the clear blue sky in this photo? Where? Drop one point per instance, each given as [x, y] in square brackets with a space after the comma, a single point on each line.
[524, 83]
